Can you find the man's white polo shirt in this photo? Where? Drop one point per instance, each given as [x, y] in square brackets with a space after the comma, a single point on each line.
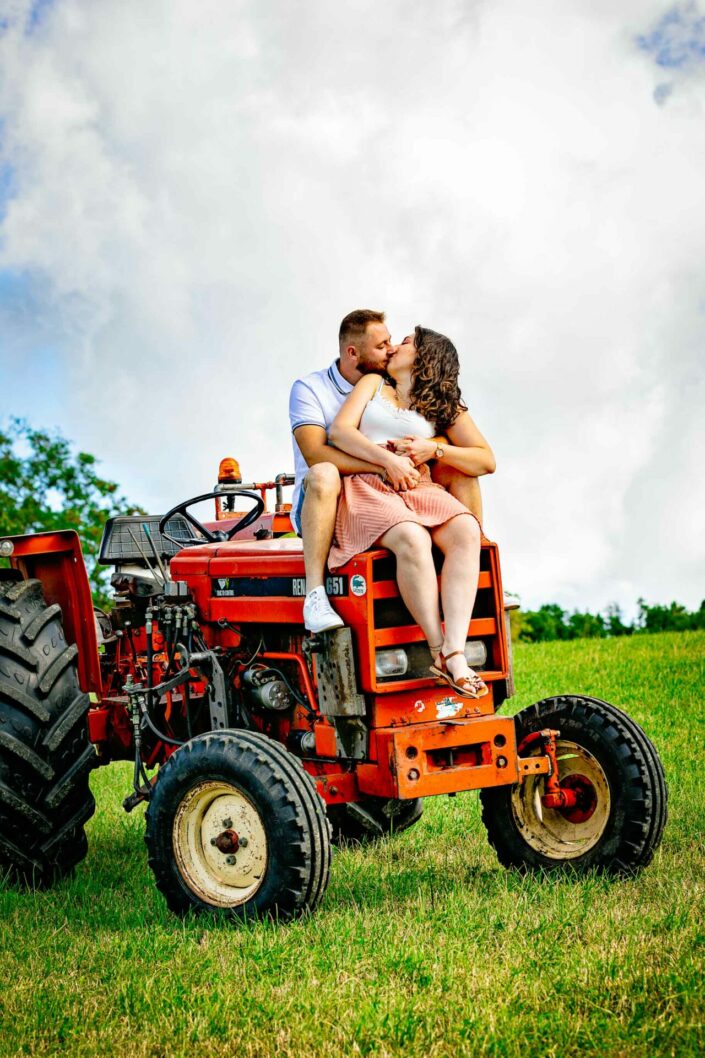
[313, 401]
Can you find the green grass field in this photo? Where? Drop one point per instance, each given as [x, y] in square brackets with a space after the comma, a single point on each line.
[423, 946]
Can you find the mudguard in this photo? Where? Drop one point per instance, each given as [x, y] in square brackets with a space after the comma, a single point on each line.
[56, 560]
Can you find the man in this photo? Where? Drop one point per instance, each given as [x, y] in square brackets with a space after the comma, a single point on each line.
[364, 346]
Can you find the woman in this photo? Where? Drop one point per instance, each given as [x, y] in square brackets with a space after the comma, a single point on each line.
[396, 427]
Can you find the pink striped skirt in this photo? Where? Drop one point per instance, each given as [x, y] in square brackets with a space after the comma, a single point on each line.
[368, 508]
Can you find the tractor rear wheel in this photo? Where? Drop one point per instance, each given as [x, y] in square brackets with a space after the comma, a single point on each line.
[607, 759]
[236, 826]
[367, 820]
[45, 754]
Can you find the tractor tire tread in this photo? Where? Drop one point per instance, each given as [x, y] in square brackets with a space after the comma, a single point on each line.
[66, 722]
[45, 754]
[23, 592]
[319, 825]
[74, 775]
[13, 854]
[56, 666]
[19, 654]
[82, 814]
[26, 754]
[34, 627]
[22, 806]
[34, 707]
[656, 775]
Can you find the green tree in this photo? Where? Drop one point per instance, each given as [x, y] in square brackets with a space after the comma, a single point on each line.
[545, 624]
[46, 486]
[586, 625]
[615, 622]
[661, 618]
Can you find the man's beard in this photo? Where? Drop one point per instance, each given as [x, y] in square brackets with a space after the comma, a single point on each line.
[366, 367]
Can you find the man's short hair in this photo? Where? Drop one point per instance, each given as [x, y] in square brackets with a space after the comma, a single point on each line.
[356, 323]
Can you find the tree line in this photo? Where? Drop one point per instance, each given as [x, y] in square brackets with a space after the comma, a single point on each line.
[551, 622]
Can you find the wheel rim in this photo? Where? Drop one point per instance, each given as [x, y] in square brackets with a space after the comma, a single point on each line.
[220, 845]
[565, 834]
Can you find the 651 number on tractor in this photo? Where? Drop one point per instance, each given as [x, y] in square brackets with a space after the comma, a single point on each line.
[255, 744]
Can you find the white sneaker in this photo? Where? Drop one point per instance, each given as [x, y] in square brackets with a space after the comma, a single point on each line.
[319, 615]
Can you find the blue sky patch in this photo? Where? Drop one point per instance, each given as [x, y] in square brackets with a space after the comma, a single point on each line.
[7, 186]
[36, 388]
[33, 21]
[13, 286]
[677, 41]
[32, 358]
[662, 92]
[38, 13]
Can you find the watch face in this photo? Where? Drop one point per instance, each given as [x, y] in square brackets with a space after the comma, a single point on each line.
[439, 452]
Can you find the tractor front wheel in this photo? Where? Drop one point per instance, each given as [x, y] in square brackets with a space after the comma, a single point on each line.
[614, 770]
[236, 826]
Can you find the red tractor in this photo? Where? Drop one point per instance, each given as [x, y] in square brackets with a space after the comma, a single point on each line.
[269, 742]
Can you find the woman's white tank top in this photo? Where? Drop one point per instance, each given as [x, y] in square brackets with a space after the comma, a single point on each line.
[381, 421]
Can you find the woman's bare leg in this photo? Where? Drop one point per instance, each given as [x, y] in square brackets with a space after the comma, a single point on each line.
[459, 540]
[464, 487]
[416, 576]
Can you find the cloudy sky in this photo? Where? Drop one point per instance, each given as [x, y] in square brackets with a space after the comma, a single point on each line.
[193, 194]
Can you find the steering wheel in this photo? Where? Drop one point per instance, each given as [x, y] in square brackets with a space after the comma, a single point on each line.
[212, 536]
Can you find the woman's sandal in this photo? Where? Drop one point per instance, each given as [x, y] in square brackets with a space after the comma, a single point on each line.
[467, 686]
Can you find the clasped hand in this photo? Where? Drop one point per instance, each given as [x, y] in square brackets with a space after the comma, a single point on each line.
[401, 472]
[418, 449]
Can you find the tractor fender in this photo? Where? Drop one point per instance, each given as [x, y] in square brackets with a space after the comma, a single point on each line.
[56, 560]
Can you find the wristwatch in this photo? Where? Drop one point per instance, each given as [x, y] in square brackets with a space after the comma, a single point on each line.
[440, 452]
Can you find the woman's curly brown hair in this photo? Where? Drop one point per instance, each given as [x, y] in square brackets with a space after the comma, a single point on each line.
[435, 393]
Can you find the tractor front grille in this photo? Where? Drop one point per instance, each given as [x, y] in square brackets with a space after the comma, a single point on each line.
[390, 615]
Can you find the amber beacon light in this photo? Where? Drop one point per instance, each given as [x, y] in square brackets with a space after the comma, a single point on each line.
[229, 471]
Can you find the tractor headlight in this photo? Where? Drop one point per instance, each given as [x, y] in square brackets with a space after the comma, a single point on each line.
[6, 548]
[475, 653]
[391, 662]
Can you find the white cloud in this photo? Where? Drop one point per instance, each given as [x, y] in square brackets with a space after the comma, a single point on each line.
[203, 190]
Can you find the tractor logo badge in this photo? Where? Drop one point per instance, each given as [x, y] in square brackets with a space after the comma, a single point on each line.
[222, 583]
[358, 584]
[448, 707]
